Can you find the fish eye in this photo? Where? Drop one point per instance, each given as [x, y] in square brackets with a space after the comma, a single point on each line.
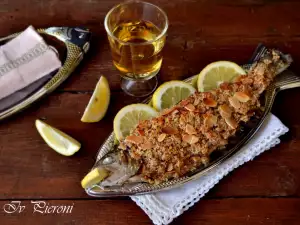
[107, 160]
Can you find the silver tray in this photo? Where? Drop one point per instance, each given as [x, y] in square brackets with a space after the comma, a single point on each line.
[285, 80]
[71, 44]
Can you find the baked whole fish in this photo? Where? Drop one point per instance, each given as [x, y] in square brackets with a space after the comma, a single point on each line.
[182, 138]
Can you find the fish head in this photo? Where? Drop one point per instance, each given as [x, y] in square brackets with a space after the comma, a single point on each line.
[119, 167]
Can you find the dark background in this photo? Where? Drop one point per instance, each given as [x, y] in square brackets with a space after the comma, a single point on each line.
[264, 191]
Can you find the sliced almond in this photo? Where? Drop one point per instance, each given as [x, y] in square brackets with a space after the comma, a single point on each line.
[186, 138]
[196, 101]
[146, 145]
[231, 123]
[191, 139]
[190, 107]
[134, 139]
[234, 102]
[242, 96]
[161, 137]
[171, 174]
[225, 111]
[175, 112]
[169, 130]
[167, 111]
[205, 160]
[190, 129]
[184, 102]
[170, 167]
[194, 140]
[209, 102]
[196, 159]
[181, 120]
[210, 121]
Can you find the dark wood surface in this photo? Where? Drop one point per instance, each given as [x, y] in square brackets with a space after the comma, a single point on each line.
[263, 191]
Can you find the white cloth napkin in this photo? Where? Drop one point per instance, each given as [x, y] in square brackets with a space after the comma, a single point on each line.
[24, 60]
[163, 207]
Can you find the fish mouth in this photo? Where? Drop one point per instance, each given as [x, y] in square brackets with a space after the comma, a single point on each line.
[120, 168]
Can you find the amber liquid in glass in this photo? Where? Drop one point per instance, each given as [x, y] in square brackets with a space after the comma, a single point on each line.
[137, 55]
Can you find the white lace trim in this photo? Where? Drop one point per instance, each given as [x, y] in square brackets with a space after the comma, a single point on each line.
[161, 212]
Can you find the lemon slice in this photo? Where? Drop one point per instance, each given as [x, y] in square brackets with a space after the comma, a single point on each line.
[216, 73]
[129, 116]
[98, 103]
[93, 177]
[56, 139]
[170, 93]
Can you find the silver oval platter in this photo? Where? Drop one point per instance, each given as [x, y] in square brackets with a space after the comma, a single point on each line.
[71, 44]
[284, 80]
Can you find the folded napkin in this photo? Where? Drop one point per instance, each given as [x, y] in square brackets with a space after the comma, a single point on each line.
[25, 60]
[163, 207]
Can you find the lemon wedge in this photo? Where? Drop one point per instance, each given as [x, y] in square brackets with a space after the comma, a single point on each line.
[170, 93]
[93, 177]
[56, 139]
[216, 73]
[129, 116]
[98, 103]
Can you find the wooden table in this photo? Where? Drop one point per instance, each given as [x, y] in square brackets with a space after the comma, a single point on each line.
[264, 191]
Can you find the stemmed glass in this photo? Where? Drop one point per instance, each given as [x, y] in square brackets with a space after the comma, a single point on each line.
[137, 34]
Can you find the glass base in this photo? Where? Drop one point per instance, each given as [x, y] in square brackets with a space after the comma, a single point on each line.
[139, 88]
